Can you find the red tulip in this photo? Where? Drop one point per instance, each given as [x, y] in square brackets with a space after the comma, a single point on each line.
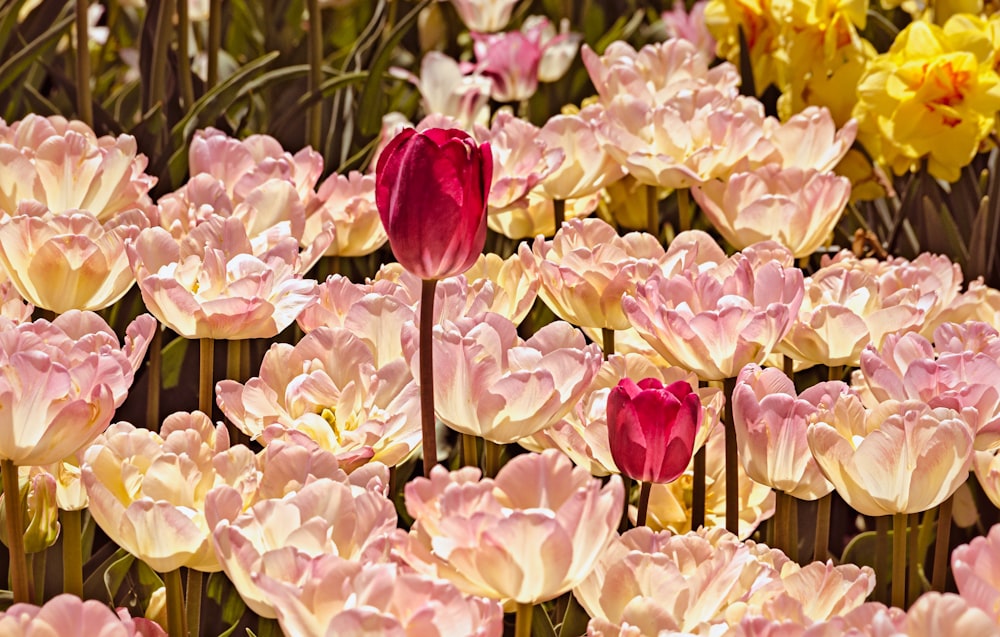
[651, 428]
[431, 190]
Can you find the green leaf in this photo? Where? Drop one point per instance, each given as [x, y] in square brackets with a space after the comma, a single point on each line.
[541, 625]
[116, 573]
[172, 362]
[575, 620]
[222, 592]
[18, 63]
[620, 30]
[95, 587]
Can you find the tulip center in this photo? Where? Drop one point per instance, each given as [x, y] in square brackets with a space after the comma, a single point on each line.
[331, 418]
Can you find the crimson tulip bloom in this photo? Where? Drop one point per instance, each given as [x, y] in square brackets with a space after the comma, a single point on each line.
[431, 190]
[651, 428]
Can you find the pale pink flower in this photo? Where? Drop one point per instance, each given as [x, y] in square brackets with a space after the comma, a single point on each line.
[537, 215]
[670, 504]
[979, 302]
[68, 261]
[716, 321]
[771, 423]
[348, 203]
[147, 490]
[586, 268]
[328, 389]
[197, 201]
[976, 567]
[587, 167]
[583, 433]
[690, 26]
[13, 306]
[63, 165]
[39, 511]
[352, 599]
[528, 536]
[936, 614]
[60, 383]
[278, 538]
[517, 387]
[986, 465]
[522, 158]
[796, 207]
[558, 49]
[484, 15]
[446, 88]
[69, 616]
[212, 284]
[842, 312]
[510, 59]
[514, 281]
[809, 140]
[898, 457]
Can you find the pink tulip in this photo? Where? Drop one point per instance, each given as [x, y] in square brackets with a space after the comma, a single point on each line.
[976, 567]
[690, 26]
[528, 536]
[70, 616]
[431, 189]
[484, 16]
[451, 89]
[347, 202]
[652, 427]
[511, 59]
[521, 160]
[771, 423]
[587, 167]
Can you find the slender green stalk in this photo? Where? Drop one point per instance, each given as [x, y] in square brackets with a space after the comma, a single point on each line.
[624, 524]
[175, 603]
[84, 102]
[608, 338]
[154, 382]
[524, 111]
[913, 577]
[314, 116]
[36, 568]
[522, 625]
[640, 518]
[183, 54]
[653, 211]
[781, 531]
[427, 374]
[195, 584]
[822, 542]
[698, 490]
[491, 458]
[72, 552]
[206, 371]
[214, 43]
[559, 212]
[942, 541]
[684, 212]
[470, 454]
[732, 470]
[792, 520]
[15, 533]
[882, 525]
[244, 359]
[161, 49]
[835, 372]
[899, 560]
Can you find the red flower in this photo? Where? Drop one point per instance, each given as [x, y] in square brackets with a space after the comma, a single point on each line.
[431, 190]
[651, 428]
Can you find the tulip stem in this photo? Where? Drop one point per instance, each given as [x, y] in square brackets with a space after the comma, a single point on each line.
[558, 212]
[608, 341]
[822, 542]
[623, 525]
[732, 460]
[913, 576]
[214, 43]
[72, 552]
[15, 532]
[234, 371]
[84, 103]
[653, 211]
[882, 524]
[899, 560]
[522, 623]
[314, 116]
[183, 57]
[470, 454]
[154, 380]
[698, 491]
[427, 375]
[206, 364]
[195, 583]
[175, 603]
[684, 212]
[491, 458]
[942, 541]
[640, 518]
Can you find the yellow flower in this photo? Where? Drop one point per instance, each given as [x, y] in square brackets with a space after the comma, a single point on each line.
[760, 21]
[932, 97]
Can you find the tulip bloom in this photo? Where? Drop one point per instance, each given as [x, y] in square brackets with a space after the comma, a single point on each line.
[651, 428]
[431, 190]
[70, 616]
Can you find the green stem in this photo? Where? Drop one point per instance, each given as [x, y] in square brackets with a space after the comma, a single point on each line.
[314, 117]
[822, 542]
[195, 584]
[522, 624]
[154, 382]
[653, 211]
[427, 374]
[161, 49]
[788, 366]
[627, 484]
[882, 524]
[491, 458]
[183, 56]
[175, 603]
[214, 43]
[72, 552]
[792, 506]
[234, 371]
[732, 460]
[36, 568]
[942, 542]
[640, 518]
[15, 533]
[899, 560]
[835, 372]
[684, 211]
[206, 389]
[781, 531]
[84, 102]
[470, 454]
[608, 341]
[698, 490]
[524, 110]
[559, 212]
[913, 576]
